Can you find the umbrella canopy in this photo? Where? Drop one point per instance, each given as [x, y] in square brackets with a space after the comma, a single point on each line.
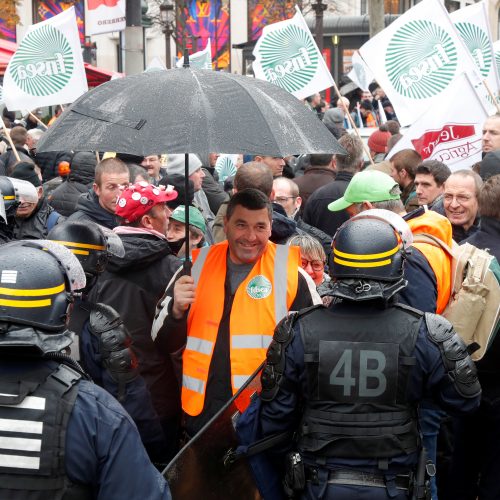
[188, 110]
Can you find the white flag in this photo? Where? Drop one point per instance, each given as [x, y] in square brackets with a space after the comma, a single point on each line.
[360, 73]
[200, 60]
[1, 94]
[448, 132]
[47, 68]
[104, 16]
[156, 64]
[496, 51]
[287, 55]
[416, 58]
[473, 27]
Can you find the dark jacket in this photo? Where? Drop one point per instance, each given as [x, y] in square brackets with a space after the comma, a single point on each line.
[409, 197]
[48, 161]
[132, 285]
[213, 191]
[487, 237]
[89, 209]
[9, 158]
[313, 178]
[65, 197]
[460, 233]
[35, 227]
[316, 212]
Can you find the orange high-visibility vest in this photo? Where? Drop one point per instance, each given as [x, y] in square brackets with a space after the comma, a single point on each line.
[260, 302]
[435, 224]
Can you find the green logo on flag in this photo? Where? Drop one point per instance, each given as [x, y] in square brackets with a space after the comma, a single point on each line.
[44, 63]
[497, 61]
[259, 287]
[421, 60]
[289, 58]
[477, 43]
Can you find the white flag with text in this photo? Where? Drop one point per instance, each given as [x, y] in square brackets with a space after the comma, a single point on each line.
[104, 16]
[287, 55]
[449, 132]
[47, 68]
[473, 27]
[416, 58]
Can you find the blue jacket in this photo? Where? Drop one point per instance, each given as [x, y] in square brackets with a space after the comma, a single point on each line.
[103, 448]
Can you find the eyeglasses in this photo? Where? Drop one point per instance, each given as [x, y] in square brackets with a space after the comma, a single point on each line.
[282, 199]
[461, 198]
[317, 265]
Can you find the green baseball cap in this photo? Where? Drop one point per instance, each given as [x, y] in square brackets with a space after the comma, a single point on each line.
[195, 217]
[369, 185]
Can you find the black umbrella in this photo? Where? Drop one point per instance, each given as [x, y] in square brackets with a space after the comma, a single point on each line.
[188, 110]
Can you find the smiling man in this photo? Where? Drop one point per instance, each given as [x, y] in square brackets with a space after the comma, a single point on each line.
[461, 192]
[225, 313]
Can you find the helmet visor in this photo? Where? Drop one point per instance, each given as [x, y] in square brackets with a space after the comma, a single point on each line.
[24, 191]
[396, 221]
[71, 265]
[114, 245]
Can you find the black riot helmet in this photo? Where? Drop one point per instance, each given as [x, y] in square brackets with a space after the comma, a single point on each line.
[90, 243]
[368, 256]
[38, 279]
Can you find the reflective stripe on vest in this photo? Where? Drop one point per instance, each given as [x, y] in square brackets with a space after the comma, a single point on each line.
[260, 302]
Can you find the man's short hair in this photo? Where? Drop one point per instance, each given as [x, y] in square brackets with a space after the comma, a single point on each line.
[407, 159]
[489, 198]
[254, 174]
[478, 182]
[392, 126]
[293, 188]
[251, 199]
[439, 171]
[320, 160]
[352, 160]
[18, 135]
[109, 166]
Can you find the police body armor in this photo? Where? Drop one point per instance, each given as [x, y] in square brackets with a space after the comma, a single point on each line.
[358, 370]
[34, 415]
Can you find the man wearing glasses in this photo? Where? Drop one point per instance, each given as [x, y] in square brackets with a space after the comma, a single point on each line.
[461, 203]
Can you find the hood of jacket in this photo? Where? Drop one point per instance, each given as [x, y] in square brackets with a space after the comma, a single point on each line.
[88, 203]
[141, 251]
[283, 227]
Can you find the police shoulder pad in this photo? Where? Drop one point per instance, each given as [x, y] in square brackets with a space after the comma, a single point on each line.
[439, 328]
[103, 318]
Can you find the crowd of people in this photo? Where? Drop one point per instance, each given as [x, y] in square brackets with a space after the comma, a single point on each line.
[132, 311]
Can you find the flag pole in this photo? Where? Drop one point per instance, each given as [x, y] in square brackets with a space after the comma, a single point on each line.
[38, 120]
[7, 133]
[353, 125]
[487, 87]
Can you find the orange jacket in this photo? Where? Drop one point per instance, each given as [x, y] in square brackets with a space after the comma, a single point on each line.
[260, 302]
[435, 224]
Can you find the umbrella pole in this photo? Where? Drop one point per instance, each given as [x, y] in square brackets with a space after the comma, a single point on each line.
[187, 261]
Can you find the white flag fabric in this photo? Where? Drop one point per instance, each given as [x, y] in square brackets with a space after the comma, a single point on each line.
[448, 132]
[287, 55]
[156, 64]
[496, 51]
[47, 67]
[104, 16]
[416, 58]
[360, 73]
[1, 94]
[200, 60]
[473, 27]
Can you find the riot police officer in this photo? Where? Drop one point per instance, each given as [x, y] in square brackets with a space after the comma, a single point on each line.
[104, 345]
[347, 379]
[12, 193]
[60, 435]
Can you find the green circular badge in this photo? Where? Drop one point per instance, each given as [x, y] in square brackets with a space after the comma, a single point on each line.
[421, 60]
[289, 58]
[259, 287]
[44, 63]
[478, 44]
